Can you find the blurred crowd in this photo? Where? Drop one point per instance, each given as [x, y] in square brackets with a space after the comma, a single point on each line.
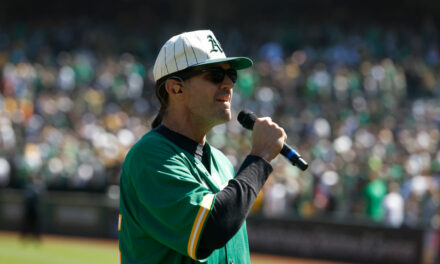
[361, 105]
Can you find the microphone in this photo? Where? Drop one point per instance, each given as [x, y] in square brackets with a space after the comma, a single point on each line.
[247, 120]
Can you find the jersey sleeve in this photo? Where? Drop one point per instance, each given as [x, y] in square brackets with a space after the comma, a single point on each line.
[172, 202]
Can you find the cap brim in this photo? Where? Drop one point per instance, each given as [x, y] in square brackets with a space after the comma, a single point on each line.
[237, 63]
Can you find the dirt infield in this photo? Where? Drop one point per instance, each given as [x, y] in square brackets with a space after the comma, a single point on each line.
[269, 259]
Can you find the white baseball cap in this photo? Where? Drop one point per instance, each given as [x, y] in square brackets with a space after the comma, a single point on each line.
[192, 49]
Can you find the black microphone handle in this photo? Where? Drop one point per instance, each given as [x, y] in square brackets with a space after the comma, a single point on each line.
[247, 120]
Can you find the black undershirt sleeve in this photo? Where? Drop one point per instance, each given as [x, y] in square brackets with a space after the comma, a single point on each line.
[232, 205]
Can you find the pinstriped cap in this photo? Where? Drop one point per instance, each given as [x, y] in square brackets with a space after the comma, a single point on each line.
[191, 49]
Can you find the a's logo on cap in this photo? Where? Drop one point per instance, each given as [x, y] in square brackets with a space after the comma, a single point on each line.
[215, 45]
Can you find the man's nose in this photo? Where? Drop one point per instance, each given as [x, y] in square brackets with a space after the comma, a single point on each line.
[227, 83]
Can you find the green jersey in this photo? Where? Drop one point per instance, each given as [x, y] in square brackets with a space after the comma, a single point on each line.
[166, 197]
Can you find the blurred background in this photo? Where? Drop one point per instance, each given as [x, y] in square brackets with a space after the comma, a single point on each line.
[356, 86]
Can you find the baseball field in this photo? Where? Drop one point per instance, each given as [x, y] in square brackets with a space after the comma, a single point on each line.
[70, 250]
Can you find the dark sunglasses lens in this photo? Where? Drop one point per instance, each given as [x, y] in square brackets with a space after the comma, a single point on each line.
[218, 75]
[232, 74]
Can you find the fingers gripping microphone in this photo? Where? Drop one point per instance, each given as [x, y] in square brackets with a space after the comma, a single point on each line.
[247, 120]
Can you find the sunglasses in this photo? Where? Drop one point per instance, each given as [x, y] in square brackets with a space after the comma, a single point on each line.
[216, 75]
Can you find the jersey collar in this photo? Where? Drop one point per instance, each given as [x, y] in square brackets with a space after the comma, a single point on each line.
[199, 151]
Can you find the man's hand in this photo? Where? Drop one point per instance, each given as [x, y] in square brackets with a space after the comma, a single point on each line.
[267, 139]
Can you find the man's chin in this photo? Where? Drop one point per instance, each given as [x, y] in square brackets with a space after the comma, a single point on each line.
[224, 116]
[228, 115]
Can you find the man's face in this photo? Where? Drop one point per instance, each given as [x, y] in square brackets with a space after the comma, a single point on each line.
[209, 103]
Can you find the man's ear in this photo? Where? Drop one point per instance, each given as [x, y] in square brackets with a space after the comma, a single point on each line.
[173, 87]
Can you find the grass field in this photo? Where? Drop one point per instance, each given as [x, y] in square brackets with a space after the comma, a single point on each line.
[56, 250]
[69, 250]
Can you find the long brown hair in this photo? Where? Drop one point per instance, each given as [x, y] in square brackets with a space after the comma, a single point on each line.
[162, 96]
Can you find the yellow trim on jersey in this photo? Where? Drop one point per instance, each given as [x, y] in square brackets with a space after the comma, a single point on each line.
[119, 222]
[204, 209]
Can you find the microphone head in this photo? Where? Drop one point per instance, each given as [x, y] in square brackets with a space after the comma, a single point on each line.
[302, 164]
[247, 119]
